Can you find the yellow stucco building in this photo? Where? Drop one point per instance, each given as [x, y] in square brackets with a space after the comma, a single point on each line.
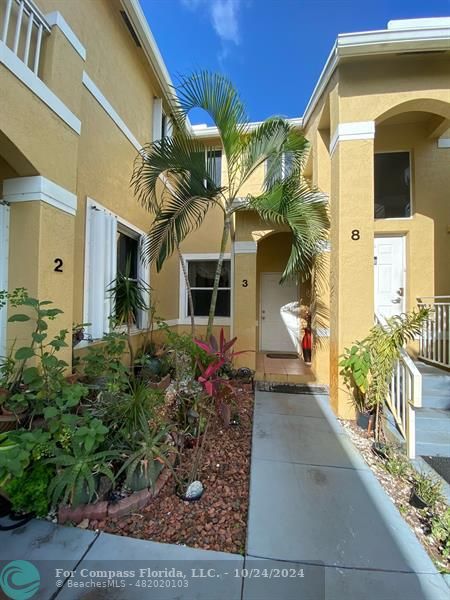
[83, 87]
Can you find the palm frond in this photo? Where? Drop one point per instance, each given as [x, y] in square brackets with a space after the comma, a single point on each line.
[160, 163]
[215, 94]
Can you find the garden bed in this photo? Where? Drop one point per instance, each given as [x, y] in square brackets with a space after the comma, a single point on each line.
[399, 490]
[218, 521]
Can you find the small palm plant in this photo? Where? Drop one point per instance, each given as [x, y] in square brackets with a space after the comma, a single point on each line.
[175, 182]
[148, 456]
[77, 473]
[368, 366]
[129, 298]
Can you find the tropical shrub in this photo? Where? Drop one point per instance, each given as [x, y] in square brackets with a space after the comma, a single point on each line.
[367, 366]
[427, 488]
[440, 530]
[28, 493]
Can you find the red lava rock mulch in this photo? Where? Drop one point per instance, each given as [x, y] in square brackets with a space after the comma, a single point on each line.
[218, 521]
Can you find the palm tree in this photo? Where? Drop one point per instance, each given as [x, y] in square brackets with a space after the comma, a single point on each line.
[177, 166]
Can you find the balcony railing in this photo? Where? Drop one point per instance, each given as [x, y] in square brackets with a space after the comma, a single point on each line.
[22, 29]
[435, 341]
[405, 395]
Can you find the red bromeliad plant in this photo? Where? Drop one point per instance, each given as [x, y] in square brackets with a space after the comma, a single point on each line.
[217, 387]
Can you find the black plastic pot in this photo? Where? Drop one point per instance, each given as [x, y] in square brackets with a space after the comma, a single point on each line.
[380, 450]
[416, 501]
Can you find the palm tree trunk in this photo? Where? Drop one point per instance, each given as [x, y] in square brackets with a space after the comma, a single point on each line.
[223, 245]
[188, 287]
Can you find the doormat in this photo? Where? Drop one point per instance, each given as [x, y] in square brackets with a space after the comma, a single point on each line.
[441, 464]
[283, 355]
[291, 388]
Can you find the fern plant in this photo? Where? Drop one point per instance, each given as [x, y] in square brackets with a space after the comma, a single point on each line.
[367, 366]
[77, 470]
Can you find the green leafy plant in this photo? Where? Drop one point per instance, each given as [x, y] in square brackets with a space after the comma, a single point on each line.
[137, 405]
[28, 492]
[148, 455]
[105, 361]
[396, 464]
[428, 489]
[78, 470]
[367, 366]
[129, 297]
[440, 530]
[19, 448]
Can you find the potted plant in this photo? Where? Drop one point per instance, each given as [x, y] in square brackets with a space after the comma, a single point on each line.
[425, 491]
[129, 299]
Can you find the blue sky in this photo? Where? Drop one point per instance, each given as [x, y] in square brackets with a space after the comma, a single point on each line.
[273, 50]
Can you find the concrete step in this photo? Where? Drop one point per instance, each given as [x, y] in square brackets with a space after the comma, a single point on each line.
[430, 419]
[435, 386]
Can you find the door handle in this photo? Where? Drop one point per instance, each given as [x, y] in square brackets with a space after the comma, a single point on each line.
[396, 300]
[400, 291]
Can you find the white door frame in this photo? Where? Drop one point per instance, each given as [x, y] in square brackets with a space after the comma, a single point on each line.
[260, 348]
[402, 237]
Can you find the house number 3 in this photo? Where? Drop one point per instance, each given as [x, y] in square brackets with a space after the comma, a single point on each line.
[244, 283]
[58, 265]
[355, 234]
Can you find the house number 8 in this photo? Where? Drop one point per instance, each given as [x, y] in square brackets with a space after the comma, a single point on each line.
[355, 234]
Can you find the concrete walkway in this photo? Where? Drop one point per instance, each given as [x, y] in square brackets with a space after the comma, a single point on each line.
[320, 528]
[313, 499]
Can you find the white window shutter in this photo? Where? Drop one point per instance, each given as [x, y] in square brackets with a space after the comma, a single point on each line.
[102, 263]
[143, 273]
[157, 119]
[4, 251]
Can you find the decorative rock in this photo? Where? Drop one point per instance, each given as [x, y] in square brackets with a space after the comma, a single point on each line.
[194, 490]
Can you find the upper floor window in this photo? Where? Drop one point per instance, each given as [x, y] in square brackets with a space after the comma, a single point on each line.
[214, 165]
[392, 179]
[285, 166]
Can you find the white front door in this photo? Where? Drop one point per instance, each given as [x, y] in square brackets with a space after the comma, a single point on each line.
[279, 325]
[389, 272]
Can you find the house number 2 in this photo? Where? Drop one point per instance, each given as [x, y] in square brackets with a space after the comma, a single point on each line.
[355, 234]
[58, 265]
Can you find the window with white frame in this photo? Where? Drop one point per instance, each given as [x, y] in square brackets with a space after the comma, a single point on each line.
[110, 244]
[213, 165]
[201, 272]
[392, 179]
[285, 166]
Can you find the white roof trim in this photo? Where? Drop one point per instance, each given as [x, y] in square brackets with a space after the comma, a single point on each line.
[396, 39]
[109, 109]
[419, 23]
[40, 189]
[204, 131]
[56, 19]
[38, 87]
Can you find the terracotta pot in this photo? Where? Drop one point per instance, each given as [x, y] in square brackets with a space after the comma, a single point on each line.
[163, 384]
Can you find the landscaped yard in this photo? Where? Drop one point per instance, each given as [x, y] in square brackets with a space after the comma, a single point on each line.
[158, 448]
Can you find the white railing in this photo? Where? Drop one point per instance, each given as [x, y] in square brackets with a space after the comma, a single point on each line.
[434, 344]
[22, 28]
[405, 395]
